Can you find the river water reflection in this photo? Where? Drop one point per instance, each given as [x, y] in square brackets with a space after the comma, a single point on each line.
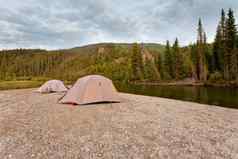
[226, 97]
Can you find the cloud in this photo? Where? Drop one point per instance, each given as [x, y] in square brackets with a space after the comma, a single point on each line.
[68, 23]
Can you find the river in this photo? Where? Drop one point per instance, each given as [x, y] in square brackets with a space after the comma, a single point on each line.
[226, 97]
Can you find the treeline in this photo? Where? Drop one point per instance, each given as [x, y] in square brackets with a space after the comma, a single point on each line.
[69, 65]
[23, 63]
[225, 53]
[200, 61]
[173, 64]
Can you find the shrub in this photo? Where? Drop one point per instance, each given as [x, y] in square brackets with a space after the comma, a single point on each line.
[166, 76]
[215, 77]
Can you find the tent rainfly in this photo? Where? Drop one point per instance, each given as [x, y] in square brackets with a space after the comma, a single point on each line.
[52, 86]
[91, 89]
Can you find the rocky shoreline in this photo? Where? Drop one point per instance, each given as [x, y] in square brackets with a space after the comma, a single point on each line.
[36, 126]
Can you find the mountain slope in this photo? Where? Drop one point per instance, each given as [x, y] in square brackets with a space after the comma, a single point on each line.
[109, 59]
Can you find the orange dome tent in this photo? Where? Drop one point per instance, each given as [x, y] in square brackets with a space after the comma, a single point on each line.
[91, 89]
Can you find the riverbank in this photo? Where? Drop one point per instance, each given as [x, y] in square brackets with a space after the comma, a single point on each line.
[230, 84]
[8, 85]
[170, 83]
[23, 84]
[36, 126]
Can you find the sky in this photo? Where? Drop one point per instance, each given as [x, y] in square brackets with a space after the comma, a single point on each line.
[57, 24]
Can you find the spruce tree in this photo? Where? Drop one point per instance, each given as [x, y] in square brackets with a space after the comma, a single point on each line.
[223, 24]
[219, 44]
[136, 62]
[160, 68]
[168, 65]
[223, 38]
[194, 59]
[201, 72]
[230, 46]
[217, 51]
[178, 60]
[207, 57]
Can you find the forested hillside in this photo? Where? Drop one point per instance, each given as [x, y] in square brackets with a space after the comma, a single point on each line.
[201, 62]
[112, 60]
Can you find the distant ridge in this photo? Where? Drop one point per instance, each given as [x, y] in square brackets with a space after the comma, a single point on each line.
[91, 47]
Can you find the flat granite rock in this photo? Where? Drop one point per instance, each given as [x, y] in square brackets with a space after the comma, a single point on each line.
[35, 126]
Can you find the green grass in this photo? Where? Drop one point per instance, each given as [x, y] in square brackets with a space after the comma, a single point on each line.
[6, 85]
[21, 84]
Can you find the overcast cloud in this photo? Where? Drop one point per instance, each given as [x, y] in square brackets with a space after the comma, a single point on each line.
[54, 24]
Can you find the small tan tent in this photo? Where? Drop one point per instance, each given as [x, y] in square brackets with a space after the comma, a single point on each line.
[52, 86]
[91, 89]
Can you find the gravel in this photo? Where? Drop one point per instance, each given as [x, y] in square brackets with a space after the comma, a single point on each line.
[35, 126]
